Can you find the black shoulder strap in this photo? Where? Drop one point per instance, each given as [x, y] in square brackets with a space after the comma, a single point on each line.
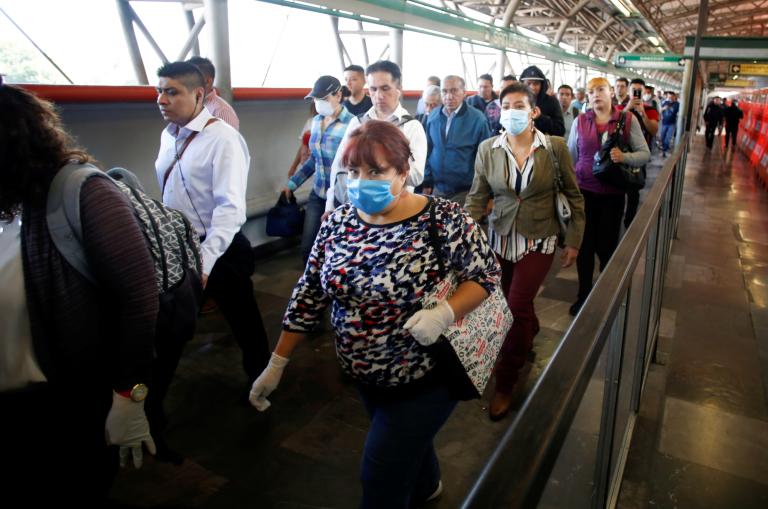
[404, 120]
[555, 163]
[434, 238]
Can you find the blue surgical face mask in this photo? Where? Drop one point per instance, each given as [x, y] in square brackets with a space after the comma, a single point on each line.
[514, 121]
[370, 196]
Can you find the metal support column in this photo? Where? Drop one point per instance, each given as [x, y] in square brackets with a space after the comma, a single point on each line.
[363, 42]
[126, 20]
[687, 89]
[396, 46]
[217, 17]
[501, 66]
[190, 17]
[553, 78]
[700, 30]
[339, 42]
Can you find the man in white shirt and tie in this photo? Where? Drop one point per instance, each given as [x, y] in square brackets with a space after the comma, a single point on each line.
[202, 169]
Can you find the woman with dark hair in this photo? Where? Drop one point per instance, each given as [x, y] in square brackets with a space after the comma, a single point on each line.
[75, 355]
[517, 166]
[327, 130]
[374, 263]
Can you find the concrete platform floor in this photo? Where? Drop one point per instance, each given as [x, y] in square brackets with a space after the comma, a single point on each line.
[304, 452]
[701, 438]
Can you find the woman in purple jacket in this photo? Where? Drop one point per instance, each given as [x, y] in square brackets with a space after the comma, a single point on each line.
[603, 203]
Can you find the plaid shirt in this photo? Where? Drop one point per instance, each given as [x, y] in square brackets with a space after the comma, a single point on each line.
[323, 147]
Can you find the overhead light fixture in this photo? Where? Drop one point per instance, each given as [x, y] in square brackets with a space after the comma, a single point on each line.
[654, 40]
[621, 6]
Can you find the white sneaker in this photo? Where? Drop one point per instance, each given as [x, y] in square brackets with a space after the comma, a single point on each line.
[438, 491]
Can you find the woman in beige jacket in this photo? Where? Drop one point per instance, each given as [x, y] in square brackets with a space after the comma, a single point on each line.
[517, 169]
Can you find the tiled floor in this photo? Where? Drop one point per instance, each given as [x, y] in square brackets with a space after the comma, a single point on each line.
[304, 452]
[700, 439]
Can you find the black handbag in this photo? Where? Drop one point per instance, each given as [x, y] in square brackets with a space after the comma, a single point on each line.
[618, 175]
[286, 218]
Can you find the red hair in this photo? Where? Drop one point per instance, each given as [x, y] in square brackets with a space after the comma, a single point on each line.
[388, 138]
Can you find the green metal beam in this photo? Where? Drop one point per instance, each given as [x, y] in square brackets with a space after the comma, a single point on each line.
[729, 48]
[418, 16]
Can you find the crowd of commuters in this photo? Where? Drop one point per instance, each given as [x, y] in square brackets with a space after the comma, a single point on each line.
[395, 197]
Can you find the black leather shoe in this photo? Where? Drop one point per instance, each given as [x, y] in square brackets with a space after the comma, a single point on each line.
[576, 307]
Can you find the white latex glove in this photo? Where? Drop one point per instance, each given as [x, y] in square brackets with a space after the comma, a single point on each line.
[267, 382]
[127, 427]
[427, 325]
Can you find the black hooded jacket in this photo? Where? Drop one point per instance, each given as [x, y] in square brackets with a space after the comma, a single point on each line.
[551, 119]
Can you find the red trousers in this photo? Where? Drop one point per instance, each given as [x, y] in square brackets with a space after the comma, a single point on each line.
[520, 282]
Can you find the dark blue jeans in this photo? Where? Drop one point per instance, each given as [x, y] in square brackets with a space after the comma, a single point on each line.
[313, 212]
[400, 467]
[667, 134]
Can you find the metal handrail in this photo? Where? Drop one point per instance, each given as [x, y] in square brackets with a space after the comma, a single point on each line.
[517, 470]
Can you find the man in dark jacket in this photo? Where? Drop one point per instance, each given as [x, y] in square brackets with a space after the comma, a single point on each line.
[713, 115]
[454, 131]
[733, 115]
[550, 120]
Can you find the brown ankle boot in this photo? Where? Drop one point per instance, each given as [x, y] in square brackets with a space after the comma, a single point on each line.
[501, 402]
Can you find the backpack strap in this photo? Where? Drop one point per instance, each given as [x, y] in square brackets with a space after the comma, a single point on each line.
[63, 214]
[627, 127]
[363, 118]
[404, 120]
[434, 238]
[555, 163]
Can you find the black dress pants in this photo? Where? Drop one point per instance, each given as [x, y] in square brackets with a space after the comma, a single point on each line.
[230, 285]
[709, 133]
[730, 134]
[55, 453]
[601, 235]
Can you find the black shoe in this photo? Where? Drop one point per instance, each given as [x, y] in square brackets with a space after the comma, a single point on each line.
[576, 307]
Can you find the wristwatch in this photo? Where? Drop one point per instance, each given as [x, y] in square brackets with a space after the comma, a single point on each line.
[137, 393]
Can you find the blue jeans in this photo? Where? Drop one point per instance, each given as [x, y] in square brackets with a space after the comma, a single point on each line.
[313, 212]
[667, 133]
[400, 467]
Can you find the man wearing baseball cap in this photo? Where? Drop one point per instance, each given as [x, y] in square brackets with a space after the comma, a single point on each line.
[550, 119]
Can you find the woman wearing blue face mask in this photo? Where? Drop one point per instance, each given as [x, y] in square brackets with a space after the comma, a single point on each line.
[517, 168]
[326, 133]
[374, 262]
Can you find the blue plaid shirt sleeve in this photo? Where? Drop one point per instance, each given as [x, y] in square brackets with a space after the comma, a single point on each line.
[323, 147]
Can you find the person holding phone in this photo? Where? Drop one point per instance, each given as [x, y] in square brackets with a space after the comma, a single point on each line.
[647, 116]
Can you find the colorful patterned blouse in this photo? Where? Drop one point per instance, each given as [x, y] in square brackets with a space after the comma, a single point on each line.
[376, 276]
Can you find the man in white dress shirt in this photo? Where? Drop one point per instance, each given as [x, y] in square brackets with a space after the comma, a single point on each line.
[202, 169]
[385, 88]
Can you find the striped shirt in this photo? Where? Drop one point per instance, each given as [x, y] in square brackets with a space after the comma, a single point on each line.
[514, 246]
[323, 146]
[220, 108]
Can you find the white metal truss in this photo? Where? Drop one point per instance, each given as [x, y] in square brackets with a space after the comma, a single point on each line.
[197, 13]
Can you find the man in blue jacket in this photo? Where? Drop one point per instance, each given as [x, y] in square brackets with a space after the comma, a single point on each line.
[454, 131]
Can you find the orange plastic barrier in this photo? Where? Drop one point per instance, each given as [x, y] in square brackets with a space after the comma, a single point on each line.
[113, 94]
[753, 132]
